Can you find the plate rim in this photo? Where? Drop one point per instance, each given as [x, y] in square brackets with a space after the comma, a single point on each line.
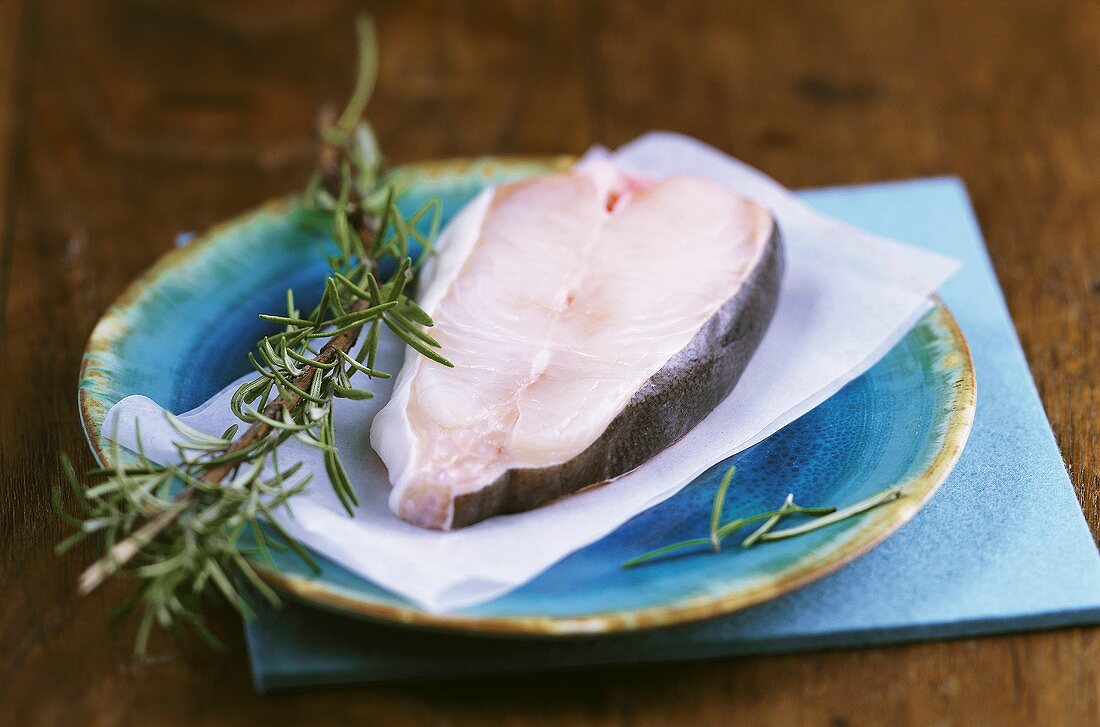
[959, 421]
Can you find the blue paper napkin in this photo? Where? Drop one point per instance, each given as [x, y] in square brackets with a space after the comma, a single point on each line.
[1002, 547]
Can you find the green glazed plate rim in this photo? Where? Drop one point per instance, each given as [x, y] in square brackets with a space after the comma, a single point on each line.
[948, 351]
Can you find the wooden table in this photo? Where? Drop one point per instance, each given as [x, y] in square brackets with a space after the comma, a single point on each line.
[123, 123]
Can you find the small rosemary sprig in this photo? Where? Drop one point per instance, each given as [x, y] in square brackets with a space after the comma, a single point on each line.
[179, 528]
[822, 517]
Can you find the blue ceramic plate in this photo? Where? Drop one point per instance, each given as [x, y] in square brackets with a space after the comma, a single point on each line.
[903, 422]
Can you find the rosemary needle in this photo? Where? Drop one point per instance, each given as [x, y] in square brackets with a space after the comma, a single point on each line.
[716, 509]
[672, 548]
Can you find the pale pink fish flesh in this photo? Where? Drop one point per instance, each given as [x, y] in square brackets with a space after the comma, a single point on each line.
[593, 318]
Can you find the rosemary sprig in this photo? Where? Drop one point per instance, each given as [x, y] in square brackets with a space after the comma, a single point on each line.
[180, 528]
[822, 517]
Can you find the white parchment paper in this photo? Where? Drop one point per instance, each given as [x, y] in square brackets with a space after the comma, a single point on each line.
[847, 298]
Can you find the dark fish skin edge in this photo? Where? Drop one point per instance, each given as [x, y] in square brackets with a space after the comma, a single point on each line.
[663, 410]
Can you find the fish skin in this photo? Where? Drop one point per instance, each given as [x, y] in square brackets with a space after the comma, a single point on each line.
[665, 408]
[655, 414]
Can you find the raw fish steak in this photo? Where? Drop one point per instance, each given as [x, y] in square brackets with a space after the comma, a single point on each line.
[593, 318]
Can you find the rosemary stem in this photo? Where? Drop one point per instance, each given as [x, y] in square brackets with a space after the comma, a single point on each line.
[769, 523]
[177, 526]
[124, 550]
[873, 501]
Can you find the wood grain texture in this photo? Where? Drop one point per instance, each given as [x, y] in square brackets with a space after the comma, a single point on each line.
[123, 122]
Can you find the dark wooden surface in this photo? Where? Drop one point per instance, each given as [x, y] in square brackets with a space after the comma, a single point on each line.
[122, 123]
